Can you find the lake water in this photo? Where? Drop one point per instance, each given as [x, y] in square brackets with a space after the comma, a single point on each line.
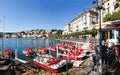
[20, 44]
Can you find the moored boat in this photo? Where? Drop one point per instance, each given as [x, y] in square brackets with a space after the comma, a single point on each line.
[76, 54]
[50, 64]
[28, 52]
[8, 53]
[42, 50]
[53, 48]
[71, 51]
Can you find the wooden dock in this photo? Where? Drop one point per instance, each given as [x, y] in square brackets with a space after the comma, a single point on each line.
[20, 60]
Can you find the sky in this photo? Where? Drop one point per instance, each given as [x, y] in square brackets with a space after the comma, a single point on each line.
[20, 15]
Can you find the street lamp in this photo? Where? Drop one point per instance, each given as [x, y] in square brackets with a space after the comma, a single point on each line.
[99, 47]
[99, 8]
[3, 36]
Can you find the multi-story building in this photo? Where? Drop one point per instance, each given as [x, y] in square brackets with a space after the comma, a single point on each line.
[82, 21]
[109, 7]
[90, 18]
[67, 29]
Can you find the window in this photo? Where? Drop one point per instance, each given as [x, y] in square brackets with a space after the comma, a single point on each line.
[103, 12]
[108, 4]
[114, 7]
[108, 11]
[114, 3]
[112, 34]
[77, 30]
[104, 35]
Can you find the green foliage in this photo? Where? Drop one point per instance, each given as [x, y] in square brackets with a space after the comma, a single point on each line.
[115, 16]
[55, 33]
[85, 32]
[59, 32]
[107, 18]
[88, 31]
[112, 17]
[94, 31]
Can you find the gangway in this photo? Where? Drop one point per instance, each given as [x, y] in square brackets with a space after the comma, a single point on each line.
[20, 60]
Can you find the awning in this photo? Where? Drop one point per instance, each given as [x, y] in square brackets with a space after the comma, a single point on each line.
[115, 22]
[109, 25]
[102, 26]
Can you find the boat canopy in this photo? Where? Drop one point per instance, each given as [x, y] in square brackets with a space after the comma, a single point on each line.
[8, 51]
[42, 49]
[28, 51]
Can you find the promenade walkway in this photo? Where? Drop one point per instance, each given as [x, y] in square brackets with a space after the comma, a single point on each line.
[71, 41]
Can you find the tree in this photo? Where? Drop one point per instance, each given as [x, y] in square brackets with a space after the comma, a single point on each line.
[107, 18]
[112, 17]
[59, 32]
[94, 31]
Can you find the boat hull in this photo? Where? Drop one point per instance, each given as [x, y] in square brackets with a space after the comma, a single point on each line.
[45, 67]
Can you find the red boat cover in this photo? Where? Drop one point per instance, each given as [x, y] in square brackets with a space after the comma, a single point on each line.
[42, 49]
[52, 47]
[52, 61]
[28, 51]
[8, 51]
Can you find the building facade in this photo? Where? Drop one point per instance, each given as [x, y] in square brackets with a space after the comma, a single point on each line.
[67, 29]
[83, 21]
[109, 7]
[89, 18]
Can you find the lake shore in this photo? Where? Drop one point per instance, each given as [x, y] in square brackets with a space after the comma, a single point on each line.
[84, 69]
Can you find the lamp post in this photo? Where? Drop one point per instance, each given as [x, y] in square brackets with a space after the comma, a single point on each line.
[3, 36]
[99, 9]
[99, 49]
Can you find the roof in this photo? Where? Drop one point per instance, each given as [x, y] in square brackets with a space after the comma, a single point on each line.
[109, 25]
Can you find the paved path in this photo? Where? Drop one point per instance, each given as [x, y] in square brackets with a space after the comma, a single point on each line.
[88, 69]
[84, 71]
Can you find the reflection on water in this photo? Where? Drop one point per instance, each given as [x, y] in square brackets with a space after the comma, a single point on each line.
[24, 43]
